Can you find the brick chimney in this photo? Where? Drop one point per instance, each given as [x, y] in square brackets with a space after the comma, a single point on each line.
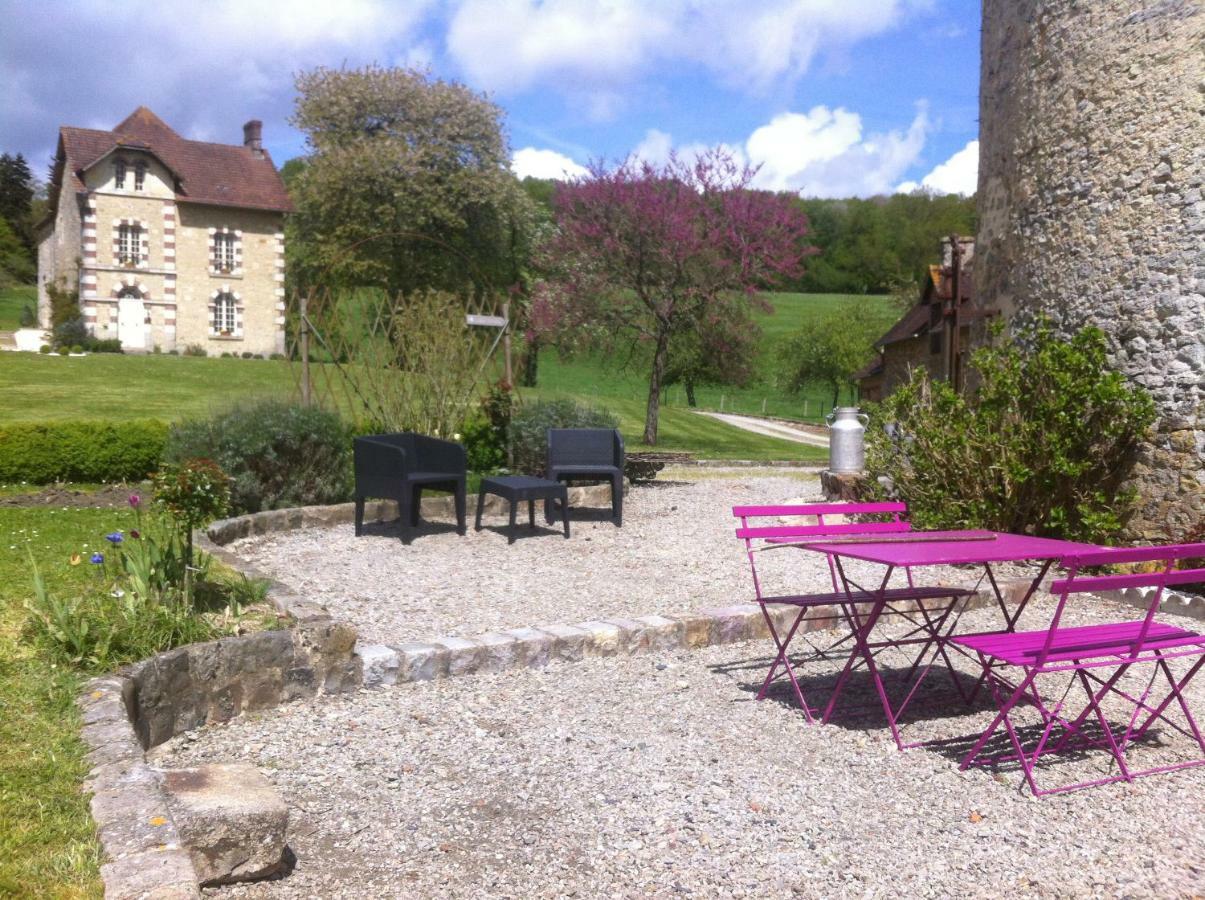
[253, 133]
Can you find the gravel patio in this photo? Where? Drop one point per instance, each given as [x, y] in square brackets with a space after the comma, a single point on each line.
[675, 552]
[659, 775]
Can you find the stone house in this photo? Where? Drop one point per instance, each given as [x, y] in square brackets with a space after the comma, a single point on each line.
[935, 334]
[171, 243]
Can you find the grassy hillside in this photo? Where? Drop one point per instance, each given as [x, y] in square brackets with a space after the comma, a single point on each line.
[36, 387]
[627, 378]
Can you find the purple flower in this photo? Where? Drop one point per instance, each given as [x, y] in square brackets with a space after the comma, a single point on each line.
[135, 501]
[98, 558]
[114, 538]
[135, 533]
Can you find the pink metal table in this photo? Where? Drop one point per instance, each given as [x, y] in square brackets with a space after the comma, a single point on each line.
[915, 551]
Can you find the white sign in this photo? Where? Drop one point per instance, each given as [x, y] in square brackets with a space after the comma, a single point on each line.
[488, 321]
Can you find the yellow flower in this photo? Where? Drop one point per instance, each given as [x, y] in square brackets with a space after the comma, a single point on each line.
[75, 559]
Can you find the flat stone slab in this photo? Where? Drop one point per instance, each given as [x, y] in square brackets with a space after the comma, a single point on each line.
[230, 819]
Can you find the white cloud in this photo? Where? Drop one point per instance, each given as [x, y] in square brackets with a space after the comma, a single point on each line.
[535, 163]
[957, 175]
[585, 46]
[507, 45]
[820, 153]
[203, 71]
[825, 153]
[655, 148]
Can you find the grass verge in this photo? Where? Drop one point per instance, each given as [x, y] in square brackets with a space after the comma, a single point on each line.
[47, 842]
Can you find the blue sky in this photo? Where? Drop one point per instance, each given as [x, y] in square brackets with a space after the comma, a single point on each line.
[828, 97]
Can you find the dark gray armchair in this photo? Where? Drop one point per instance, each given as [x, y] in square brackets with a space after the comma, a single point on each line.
[400, 466]
[587, 454]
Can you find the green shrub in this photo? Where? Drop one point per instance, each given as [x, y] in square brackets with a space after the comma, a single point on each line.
[29, 318]
[76, 348]
[46, 452]
[156, 350]
[1042, 446]
[277, 455]
[197, 350]
[485, 450]
[45, 348]
[173, 352]
[103, 345]
[225, 354]
[485, 438]
[530, 423]
[247, 354]
[64, 350]
[194, 493]
[72, 331]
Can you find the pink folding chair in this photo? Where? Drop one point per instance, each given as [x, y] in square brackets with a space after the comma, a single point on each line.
[1094, 658]
[839, 605]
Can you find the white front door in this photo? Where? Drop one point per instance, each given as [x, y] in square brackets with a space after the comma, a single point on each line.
[131, 323]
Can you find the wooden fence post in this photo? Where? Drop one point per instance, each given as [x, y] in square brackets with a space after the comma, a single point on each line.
[305, 351]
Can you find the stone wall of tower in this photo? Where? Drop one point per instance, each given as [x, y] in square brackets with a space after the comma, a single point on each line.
[1091, 173]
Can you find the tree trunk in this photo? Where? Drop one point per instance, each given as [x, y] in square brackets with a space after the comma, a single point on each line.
[836, 393]
[531, 364]
[690, 393]
[660, 359]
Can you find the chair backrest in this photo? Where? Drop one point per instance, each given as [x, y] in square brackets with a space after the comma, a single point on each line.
[1165, 568]
[582, 446]
[891, 514]
[403, 439]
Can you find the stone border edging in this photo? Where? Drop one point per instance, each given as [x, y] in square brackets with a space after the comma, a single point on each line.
[142, 849]
[534, 647]
[1172, 602]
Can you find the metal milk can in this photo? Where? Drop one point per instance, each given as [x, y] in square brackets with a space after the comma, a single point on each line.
[847, 439]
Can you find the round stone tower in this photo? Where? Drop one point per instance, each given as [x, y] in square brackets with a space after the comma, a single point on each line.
[1091, 174]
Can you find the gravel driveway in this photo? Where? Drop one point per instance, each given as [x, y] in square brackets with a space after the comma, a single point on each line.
[659, 776]
[675, 552]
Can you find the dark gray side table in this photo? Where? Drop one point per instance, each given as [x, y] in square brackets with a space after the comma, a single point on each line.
[516, 489]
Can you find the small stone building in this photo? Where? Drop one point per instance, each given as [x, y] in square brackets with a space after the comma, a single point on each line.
[171, 243]
[937, 334]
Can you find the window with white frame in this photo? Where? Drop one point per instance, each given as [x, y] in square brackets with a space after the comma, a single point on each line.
[119, 174]
[224, 313]
[139, 176]
[223, 252]
[129, 244]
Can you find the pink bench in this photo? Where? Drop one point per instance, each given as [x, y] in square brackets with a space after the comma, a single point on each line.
[1094, 658]
[840, 604]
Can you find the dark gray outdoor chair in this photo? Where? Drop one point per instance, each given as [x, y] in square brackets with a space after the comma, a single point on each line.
[400, 466]
[587, 454]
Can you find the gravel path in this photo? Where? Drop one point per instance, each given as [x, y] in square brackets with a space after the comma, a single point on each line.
[646, 776]
[675, 552]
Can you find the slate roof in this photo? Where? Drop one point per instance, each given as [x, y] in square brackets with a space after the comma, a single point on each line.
[216, 174]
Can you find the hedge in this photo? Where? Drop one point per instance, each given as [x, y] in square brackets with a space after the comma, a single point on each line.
[72, 450]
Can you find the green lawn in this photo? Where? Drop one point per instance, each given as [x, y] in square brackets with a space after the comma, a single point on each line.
[628, 378]
[47, 842]
[170, 387]
[12, 301]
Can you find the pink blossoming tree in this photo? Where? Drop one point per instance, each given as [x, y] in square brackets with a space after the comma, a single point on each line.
[646, 253]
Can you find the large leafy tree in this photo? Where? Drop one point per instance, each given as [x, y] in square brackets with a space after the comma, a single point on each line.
[406, 184]
[830, 349]
[646, 253]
